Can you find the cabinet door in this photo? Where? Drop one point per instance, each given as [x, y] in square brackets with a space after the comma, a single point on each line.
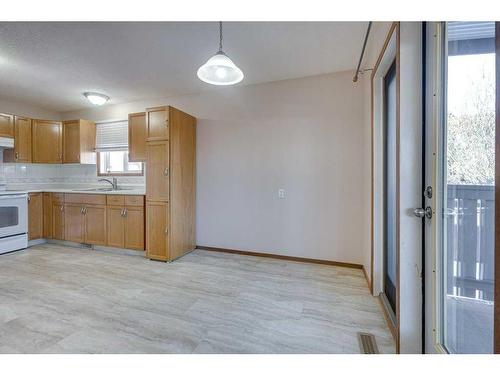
[6, 125]
[47, 215]
[47, 142]
[58, 220]
[74, 224]
[134, 228]
[157, 171]
[137, 134]
[35, 214]
[115, 226]
[22, 141]
[157, 231]
[95, 225]
[157, 123]
[71, 142]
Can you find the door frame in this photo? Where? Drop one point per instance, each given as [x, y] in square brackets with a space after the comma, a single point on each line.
[390, 52]
[496, 298]
[435, 106]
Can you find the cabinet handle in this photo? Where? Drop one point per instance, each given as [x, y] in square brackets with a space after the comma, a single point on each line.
[62, 208]
[166, 172]
[81, 210]
[29, 198]
[124, 212]
[17, 155]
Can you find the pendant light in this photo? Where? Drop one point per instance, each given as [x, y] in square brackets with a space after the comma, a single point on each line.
[219, 69]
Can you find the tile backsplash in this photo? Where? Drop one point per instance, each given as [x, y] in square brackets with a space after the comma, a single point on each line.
[14, 173]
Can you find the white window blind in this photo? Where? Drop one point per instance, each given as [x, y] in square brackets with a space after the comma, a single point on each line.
[112, 136]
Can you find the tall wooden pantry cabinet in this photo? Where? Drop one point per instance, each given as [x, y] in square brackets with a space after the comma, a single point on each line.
[170, 183]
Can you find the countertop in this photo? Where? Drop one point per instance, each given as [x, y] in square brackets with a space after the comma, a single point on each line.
[73, 189]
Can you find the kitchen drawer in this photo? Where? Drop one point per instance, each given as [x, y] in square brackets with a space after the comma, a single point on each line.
[85, 198]
[115, 200]
[134, 200]
[57, 197]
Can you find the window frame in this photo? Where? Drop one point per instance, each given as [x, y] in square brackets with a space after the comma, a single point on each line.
[130, 174]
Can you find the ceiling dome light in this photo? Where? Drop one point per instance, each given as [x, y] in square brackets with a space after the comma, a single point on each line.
[96, 98]
[220, 69]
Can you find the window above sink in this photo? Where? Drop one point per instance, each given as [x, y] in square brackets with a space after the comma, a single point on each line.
[112, 150]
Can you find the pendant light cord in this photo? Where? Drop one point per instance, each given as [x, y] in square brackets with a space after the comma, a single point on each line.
[220, 36]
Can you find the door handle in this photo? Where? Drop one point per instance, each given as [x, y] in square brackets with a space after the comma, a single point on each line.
[423, 212]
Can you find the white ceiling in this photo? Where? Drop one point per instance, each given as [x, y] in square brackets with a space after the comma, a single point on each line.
[50, 64]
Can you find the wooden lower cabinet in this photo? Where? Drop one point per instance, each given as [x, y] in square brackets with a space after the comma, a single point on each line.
[74, 223]
[157, 230]
[125, 227]
[95, 225]
[57, 220]
[35, 215]
[116, 221]
[134, 228]
[115, 227]
[47, 215]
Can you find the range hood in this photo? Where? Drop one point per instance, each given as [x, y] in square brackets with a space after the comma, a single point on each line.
[6, 142]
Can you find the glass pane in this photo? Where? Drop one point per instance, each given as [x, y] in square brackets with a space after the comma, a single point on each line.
[390, 186]
[115, 162]
[468, 189]
[8, 216]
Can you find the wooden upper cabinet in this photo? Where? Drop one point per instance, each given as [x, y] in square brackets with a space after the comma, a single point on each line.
[137, 135]
[22, 142]
[35, 216]
[157, 171]
[79, 142]
[6, 125]
[47, 137]
[157, 123]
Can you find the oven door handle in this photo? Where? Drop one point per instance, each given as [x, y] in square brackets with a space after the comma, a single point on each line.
[13, 196]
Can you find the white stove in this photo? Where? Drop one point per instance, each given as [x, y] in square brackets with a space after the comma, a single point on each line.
[13, 221]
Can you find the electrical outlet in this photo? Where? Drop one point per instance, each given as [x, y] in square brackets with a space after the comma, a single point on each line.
[281, 193]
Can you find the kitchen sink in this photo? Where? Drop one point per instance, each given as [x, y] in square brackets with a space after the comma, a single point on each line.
[104, 189]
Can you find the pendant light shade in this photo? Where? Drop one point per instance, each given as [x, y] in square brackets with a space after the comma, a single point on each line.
[220, 69]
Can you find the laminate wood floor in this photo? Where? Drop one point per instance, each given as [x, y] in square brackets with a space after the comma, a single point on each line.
[59, 299]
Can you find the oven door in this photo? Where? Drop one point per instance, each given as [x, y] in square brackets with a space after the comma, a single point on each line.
[13, 214]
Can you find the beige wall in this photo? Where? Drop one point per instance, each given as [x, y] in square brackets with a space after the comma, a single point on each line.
[22, 109]
[306, 136]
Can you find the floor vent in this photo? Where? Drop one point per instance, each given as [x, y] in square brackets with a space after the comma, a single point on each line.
[367, 343]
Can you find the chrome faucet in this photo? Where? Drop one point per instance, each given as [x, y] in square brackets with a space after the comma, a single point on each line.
[114, 184]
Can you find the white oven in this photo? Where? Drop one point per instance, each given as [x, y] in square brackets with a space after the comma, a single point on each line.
[13, 221]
